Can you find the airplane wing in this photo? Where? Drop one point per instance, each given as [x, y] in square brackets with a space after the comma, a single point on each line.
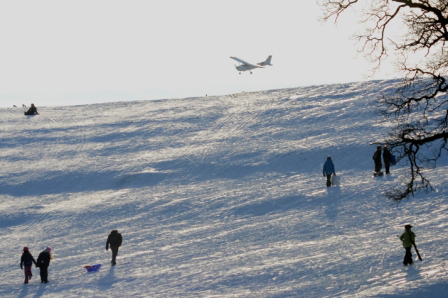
[239, 60]
[245, 63]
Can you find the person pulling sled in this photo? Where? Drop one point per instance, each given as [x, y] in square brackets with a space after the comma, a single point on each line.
[114, 240]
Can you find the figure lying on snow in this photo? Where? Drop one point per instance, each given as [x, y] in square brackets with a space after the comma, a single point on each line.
[32, 110]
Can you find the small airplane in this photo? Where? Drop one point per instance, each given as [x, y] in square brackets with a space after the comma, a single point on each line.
[248, 66]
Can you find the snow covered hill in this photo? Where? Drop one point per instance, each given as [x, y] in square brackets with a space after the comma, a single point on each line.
[215, 196]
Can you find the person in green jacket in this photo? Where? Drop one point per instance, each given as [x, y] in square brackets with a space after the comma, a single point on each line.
[408, 238]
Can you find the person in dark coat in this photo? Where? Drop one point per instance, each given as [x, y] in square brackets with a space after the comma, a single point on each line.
[377, 159]
[32, 110]
[328, 170]
[386, 159]
[43, 261]
[27, 261]
[114, 240]
[408, 238]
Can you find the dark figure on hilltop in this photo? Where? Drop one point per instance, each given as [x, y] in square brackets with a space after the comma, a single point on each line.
[114, 240]
[328, 170]
[32, 110]
[408, 238]
[43, 261]
[377, 159]
[27, 261]
[386, 159]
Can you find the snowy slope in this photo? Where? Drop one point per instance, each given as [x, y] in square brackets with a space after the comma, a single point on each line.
[214, 196]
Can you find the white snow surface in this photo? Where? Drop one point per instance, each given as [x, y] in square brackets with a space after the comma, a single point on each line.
[218, 196]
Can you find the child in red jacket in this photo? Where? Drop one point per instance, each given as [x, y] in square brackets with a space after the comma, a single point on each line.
[27, 260]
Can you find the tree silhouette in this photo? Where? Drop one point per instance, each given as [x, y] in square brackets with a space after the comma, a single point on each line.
[418, 109]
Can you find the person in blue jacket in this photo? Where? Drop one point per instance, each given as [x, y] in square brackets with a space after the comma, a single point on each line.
[328, 170]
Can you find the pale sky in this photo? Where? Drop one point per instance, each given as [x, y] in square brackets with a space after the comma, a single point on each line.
[57, 52]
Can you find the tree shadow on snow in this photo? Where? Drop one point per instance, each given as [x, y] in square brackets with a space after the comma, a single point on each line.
[434, 291]
[268, 206]
[72, 182]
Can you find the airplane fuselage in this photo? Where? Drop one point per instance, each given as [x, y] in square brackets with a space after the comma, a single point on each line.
[244, 67]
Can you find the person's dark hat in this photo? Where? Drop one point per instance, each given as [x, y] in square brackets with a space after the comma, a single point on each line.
[408, 226]
[378, 147]
[25, 248]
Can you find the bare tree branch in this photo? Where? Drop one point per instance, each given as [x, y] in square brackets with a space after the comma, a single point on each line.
[419, 108]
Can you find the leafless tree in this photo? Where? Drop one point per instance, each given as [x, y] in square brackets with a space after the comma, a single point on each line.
[419, 108]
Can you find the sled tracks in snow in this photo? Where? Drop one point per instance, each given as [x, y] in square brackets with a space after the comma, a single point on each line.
[238, 112]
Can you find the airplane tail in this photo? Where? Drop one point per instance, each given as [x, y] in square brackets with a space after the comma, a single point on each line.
[267, 62]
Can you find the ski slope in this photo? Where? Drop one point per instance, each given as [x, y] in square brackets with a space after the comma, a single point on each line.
[215, 197]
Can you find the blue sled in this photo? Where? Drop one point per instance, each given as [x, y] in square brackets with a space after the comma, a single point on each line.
[393, 160]
[91, 268]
